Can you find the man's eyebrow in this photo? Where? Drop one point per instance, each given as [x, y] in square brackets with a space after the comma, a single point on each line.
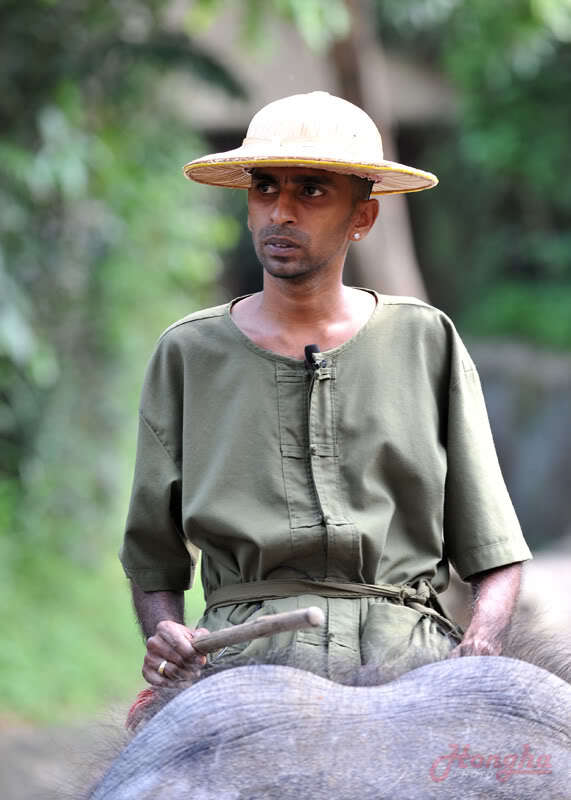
[257, 175]
[325, 180]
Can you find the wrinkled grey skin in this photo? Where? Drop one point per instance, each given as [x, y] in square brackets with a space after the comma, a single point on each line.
[266, 731]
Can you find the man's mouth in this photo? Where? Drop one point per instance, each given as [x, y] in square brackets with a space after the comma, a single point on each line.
[281, 241]
[278, 245]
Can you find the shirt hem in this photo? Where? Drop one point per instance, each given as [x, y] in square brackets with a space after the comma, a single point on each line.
[160, 580]
[489, 556]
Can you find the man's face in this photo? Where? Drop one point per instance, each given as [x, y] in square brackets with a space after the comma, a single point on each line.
[301, 219]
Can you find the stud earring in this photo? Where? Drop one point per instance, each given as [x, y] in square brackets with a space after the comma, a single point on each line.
[356, 236]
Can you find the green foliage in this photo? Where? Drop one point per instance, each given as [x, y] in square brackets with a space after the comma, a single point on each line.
[104, 49]
[503, 165]
[71, 642]
[320, 22]
[533, 313]
[102, 244]
[91, 200]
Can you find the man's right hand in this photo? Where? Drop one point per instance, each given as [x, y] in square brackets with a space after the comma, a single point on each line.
[172, 642]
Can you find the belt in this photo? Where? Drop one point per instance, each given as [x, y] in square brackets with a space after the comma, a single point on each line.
[417, 597]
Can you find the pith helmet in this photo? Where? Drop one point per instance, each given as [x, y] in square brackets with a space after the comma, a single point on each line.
[311, 130]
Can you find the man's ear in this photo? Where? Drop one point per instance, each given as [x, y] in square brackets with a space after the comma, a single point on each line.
[367, 213]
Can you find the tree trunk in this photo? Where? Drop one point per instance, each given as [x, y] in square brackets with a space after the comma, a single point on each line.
[386, 259]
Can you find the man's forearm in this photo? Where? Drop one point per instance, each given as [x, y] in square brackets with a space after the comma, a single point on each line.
[153, 607]
[496, 594]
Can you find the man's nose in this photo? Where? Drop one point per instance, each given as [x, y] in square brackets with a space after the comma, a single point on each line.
[283, 210]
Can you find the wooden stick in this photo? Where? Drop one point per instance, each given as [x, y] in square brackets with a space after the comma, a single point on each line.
[262, 626]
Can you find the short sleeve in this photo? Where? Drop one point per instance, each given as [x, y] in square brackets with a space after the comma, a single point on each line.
[155, 554]
[481, 529]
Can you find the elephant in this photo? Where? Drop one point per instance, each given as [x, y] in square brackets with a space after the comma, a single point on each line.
[471, 727]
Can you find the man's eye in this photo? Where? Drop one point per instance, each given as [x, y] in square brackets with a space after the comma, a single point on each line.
[266, 188]
[312, 191]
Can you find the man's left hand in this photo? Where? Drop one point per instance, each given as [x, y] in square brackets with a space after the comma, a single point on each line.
[478, 643]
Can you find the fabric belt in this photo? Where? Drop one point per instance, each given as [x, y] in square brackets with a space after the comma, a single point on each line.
[422, 597]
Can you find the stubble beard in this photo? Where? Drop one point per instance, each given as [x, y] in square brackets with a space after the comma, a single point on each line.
[297, 270]
[294, 271]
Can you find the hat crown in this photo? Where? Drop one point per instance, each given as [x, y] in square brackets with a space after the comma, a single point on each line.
[317, 120]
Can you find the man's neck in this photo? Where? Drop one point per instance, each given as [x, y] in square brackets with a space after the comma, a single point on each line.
[286, 316]
[317, 301]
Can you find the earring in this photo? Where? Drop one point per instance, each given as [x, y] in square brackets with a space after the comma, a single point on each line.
[356, 236]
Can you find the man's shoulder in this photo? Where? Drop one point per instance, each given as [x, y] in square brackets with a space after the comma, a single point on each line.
[407, 302]
[428, 325]
[412, 320]
[191, 320]
[414, 309]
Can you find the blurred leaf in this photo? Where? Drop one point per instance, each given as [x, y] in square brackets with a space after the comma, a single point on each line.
[201, 15]
[556, 15]
[535, 314]
[319, 22]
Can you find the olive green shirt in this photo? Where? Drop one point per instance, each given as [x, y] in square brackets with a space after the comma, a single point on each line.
[378, 467]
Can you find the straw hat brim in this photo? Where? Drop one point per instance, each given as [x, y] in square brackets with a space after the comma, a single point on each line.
[230, 169]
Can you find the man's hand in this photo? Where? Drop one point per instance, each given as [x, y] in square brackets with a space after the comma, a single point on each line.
[172, 642]
[161, 617]
[480, 642]
[496, 593]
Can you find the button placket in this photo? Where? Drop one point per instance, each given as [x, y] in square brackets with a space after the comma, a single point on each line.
[341, 536]
[322, 443]
[323, 453]
[313, 433]
[292, 406]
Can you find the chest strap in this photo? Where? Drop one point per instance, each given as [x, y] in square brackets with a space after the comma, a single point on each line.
[422, 597]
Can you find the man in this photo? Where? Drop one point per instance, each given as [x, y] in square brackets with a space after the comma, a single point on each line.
[320, 444]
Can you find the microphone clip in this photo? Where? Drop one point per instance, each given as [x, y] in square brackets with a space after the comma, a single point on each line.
[311, 362]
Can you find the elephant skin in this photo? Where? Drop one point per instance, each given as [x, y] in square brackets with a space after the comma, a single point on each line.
[473, 727]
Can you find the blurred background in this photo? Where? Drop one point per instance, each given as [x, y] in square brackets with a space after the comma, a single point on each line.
[104, 243]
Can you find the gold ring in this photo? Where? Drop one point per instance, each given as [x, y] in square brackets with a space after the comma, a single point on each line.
[161, 668]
